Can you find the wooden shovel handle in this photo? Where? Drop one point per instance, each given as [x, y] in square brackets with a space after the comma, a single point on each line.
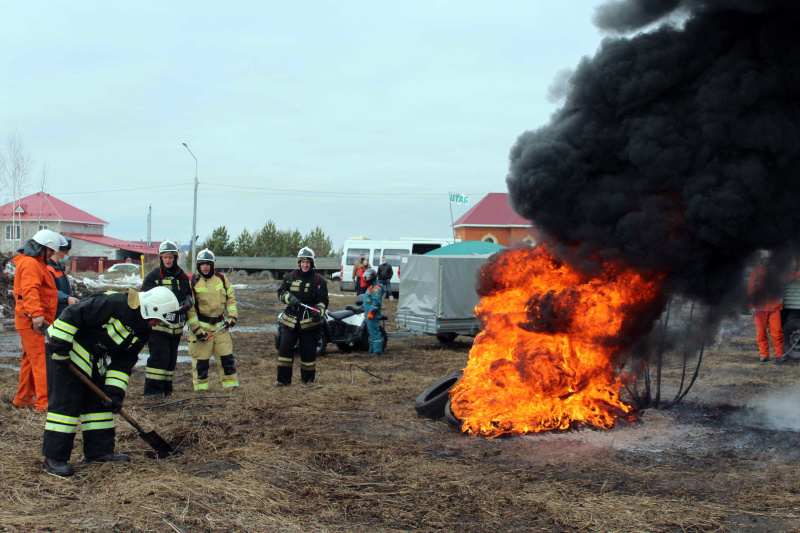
[97, 390]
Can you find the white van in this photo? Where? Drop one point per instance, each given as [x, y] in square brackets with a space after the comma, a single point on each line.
[374, 250]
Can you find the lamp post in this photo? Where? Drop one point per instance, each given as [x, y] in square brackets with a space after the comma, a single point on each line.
[194, 217]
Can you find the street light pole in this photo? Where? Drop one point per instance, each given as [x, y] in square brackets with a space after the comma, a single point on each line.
[194, 218]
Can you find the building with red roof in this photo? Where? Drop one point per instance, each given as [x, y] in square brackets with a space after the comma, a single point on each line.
[493, 220]
[21, 219]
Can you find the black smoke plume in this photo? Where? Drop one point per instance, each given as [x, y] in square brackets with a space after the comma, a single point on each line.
[677, 147]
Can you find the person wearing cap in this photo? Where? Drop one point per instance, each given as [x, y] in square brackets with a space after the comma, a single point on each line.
[164, 342]
[36, 301]
[100, 336]
[56, 267]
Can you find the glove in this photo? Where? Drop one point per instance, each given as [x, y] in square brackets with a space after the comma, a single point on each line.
[292, 299]
[60, 358]
[371, 315]
[230, 322]
[321, 310]
[113, 405]
[201, 337]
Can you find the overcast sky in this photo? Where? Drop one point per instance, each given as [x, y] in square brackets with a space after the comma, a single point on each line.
[359, 117]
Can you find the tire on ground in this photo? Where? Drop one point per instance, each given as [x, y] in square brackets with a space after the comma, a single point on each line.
[791, 337]
[265, 274]
[446, 338]
[451, 418]
[241, 273]
[430, 403]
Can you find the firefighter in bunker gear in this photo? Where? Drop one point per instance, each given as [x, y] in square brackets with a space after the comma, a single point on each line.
[305, 286]
[214, 313]
[36, 299]
[373, 299]
[165, 339]
[101, 336]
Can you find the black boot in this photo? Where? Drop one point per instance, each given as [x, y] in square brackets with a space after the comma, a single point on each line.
[59, 468]
[108, 458]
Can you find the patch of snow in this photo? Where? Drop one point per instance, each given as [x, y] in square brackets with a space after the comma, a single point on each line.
[127, 281]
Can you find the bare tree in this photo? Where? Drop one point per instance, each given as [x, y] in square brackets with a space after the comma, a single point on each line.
[42, 183]
[16, 167]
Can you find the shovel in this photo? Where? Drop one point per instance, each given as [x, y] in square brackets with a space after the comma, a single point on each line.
[152, 438]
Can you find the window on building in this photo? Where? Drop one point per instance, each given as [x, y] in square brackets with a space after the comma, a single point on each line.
[12, 232]
[489, 238]
[43, 226]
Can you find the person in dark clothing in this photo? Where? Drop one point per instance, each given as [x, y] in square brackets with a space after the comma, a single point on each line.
[385, 274]
[301, 286]
[56, 267]
[101, 336]
[166, 338]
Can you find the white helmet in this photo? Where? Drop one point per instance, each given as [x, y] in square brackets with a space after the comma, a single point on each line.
[305, 253]
[206, 255]
[49, 239]
[168, 247]
[159, 303]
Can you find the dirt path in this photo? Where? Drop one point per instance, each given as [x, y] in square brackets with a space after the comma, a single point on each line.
[349, 453]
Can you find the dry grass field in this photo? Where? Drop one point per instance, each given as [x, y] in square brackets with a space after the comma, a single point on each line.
[349, 454]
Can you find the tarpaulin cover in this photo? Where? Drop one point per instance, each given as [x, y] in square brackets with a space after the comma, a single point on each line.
[439, 285]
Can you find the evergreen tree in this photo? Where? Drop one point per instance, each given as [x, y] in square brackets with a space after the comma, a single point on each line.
[244, 246]
[319, 242]
[219, 242]
[265, 242]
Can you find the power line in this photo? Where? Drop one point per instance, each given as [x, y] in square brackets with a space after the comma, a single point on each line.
[272, 191]
[122, 190]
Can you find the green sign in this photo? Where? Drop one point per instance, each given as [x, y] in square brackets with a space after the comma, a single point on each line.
[457, 198]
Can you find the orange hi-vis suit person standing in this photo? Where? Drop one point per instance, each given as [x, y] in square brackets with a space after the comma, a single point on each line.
[766, 306]
[36, 299]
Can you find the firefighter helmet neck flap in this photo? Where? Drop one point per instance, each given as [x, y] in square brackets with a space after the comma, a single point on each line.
[49, 239]
[168, 247]
[305, 253]
[159, 303]
[206, 257]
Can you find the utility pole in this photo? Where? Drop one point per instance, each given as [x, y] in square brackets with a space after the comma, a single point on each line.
[194, 218]
[149, 225]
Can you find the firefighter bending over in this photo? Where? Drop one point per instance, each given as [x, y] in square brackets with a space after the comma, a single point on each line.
[210, 320]
[101, 336]
[301, 287]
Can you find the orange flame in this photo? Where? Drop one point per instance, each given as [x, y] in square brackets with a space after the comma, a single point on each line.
[552, 337]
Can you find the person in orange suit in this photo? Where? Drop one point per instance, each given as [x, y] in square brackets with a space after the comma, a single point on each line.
[764, 292]
[36, 299]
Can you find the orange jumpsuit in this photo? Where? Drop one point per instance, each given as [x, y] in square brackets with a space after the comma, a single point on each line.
[767, 313]
[35, 293]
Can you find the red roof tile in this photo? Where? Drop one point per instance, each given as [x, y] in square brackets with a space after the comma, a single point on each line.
[42, 206]
[492, 210]
[116, 243]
